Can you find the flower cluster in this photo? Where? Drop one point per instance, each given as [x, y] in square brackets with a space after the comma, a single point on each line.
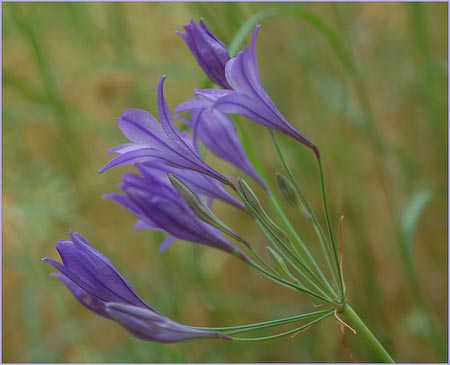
[174, 189]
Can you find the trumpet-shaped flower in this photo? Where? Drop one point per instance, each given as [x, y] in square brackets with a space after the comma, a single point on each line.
[246, 95]
[209, 51]
[161, 141]
[159, 206]
[96, 283]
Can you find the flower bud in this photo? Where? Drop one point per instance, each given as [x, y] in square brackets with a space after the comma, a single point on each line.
[209, 51]
[255, 207]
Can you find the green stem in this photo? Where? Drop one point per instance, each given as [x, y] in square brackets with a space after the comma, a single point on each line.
[277, 242]
[272, 323]
[330, 232]
[261, 219]
[293, 331]
[291, 229]
[327, 252]
[361, 327]
[289, 284]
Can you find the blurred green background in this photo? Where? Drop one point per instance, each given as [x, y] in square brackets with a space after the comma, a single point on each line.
[366, 82]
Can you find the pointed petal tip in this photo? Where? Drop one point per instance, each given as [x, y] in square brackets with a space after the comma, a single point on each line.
[160, 87]
[72, 234]
[255, 35]
[181, 34]
[55, 274]
[108, 196]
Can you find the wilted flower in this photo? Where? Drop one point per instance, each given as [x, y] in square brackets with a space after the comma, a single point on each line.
[159, 206]
[218, 132]
[163, 141]
[209, 51]
[95, 282]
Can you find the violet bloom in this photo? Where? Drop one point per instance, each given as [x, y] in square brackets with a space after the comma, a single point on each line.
[248, 97]
[95, 282]
[162, 141]
[159, 206]
[218, 132]
[209, 51]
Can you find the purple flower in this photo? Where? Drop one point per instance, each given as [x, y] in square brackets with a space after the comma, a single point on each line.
[162, 141]
[159, 206]
[209, 51]
[95, 282]
[218, 132]
[246, 95]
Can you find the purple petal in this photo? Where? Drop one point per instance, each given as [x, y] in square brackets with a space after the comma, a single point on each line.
[123, 148]
[140, 127]
[243, 104]
[211, 94]
[165, 116]
[210, 53]
[92, 303]
[243, 76]
[256, 110]
[124, 201]
[218, 133]
[166, 243]
[133, 156]
[192, 105]
[140, 224]
[242, 71]
[169, 212]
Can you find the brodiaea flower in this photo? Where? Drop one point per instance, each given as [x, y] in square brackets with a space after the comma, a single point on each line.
[152, 140]
[246, 95]
[95, 282]
[159, 206]
[209, 51]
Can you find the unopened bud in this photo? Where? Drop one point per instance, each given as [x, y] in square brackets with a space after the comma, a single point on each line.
[281, 265]
[290, 195]
[253, 204]
[287, 190]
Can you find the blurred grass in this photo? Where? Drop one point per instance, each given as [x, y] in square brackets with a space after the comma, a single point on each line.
[366, 82]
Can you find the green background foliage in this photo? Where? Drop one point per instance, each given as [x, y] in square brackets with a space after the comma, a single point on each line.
[366, 82]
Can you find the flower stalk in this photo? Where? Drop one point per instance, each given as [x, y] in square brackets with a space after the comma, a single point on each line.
[361, 327]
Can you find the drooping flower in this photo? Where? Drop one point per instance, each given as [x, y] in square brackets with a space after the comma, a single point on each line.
[218, 132]
[209, 51]
[158, 205]
[246, 95]
[96, 283]
[162, 141]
